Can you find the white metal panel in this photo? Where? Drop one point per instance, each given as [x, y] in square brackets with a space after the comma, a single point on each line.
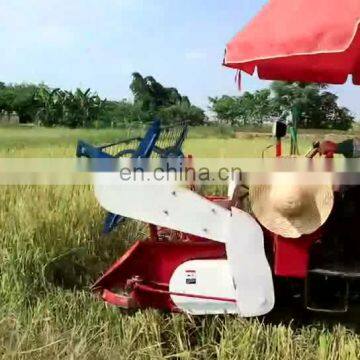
[248, 265]
[211, 278]
[167, 205]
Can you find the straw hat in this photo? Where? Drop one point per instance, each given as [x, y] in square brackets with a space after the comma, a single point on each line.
[291, 209]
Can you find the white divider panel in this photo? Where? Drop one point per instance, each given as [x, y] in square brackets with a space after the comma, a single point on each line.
[249, 266]
[166, 204]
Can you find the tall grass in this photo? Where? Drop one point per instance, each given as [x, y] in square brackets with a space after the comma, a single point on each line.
[51, 251]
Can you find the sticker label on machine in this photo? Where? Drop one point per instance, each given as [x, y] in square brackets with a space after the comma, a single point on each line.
[201, 287]
[190, 276]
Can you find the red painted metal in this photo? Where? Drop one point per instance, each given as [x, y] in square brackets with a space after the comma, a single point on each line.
[146, 269]
[125, 302]
[291, 256]
[278, 148]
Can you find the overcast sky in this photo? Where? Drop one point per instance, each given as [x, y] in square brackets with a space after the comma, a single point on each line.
[98, 44]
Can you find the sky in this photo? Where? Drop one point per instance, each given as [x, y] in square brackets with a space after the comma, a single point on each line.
[99, 44]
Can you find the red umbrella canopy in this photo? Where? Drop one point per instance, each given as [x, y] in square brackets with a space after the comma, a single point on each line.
[300, 40]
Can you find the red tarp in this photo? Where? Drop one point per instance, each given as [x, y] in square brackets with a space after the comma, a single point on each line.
[300, 40]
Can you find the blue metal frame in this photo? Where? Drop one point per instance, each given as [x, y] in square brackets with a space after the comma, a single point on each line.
[144, 150]
[146, 146]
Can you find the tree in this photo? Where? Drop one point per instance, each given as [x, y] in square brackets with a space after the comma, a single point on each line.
[84, 108]
[194, 115]
[81, 108]
[66, 108]
[258, 107]
[24, 103]
[316, 107]
[167, 103]
[248, 109]
[332, 115]
[7, 97]
[21, 99]
[151, 95]
[227, 109]
[51, 108]
[122, 113]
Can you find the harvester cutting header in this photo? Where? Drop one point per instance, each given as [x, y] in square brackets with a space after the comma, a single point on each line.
[211, 255]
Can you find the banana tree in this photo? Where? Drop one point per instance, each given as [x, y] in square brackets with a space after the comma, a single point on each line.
[81, 108]
[51, 106]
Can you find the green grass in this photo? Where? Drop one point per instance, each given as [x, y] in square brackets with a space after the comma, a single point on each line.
[202, 141]
[51, 251]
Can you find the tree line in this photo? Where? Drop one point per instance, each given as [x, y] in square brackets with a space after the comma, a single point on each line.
[315, 105]
[84, 108]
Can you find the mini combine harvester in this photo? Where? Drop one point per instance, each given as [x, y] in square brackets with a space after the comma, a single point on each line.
[206, 256]
[183, 265]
